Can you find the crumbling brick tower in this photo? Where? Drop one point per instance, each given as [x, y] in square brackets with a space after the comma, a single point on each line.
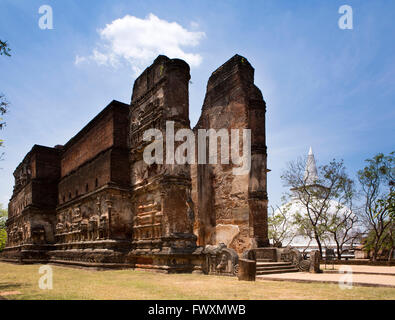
[232, 209]
[162, 230]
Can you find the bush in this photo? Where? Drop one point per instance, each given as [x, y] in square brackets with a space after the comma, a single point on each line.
[3, 239]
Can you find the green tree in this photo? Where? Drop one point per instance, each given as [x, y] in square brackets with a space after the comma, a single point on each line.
[387, 243]
[3, 232]
[377, 188]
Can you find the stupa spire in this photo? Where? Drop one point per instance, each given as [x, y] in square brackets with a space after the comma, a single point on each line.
[310, 172]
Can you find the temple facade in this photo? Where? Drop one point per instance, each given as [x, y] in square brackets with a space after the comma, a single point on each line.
[96, 202]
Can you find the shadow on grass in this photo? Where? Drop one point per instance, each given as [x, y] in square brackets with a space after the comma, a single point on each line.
[9, 286]
[5, 287]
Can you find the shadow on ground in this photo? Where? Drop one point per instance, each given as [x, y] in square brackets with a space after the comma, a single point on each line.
[9, 286]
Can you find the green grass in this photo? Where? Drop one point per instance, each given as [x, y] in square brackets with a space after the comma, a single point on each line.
[73, 283]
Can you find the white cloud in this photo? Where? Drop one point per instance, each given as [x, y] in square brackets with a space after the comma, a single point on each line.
[79, 59]
[138, 41]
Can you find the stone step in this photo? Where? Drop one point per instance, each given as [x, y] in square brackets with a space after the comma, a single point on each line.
[264, 260]
[272, 264]
[261, 268]
[261, 273]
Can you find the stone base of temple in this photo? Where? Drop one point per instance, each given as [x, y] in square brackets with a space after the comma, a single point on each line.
[175, 253]
[119, 254]
[26, 253]
[100, 254]
[96, 254]
[91, 265]
[182, 262]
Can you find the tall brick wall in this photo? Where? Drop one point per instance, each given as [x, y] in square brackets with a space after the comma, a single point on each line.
[86, 145]
[89, 177]
[97, 155]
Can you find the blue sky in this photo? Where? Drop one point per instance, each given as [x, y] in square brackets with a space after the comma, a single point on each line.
[328, 88]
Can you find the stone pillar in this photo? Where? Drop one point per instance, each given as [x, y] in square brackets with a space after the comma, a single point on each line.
[315, 259]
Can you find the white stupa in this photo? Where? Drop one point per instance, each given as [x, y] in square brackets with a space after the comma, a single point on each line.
[294, 238]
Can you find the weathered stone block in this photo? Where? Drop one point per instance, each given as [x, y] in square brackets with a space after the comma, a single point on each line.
[247, 270]
[315, 259]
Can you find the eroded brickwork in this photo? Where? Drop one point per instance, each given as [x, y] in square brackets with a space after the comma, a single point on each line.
[232, 209]
[160, 192]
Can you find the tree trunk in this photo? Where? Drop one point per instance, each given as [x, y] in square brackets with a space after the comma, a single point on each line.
[374, 257]
[317, 239]
[339, 255]
[391, 254]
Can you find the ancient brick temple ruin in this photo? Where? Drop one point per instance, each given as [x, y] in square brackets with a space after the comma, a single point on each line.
[95, 202]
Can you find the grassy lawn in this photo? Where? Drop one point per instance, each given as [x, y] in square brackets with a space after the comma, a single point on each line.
[73, 283]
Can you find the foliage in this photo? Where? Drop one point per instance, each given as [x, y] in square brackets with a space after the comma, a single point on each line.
[377, 188]
[3, 232]
[3, 239]
[386, 243]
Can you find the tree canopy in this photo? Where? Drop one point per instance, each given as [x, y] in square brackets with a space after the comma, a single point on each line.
[377, 189]
[3, 232]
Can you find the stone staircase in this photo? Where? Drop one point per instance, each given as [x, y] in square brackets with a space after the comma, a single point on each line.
[267, 266]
